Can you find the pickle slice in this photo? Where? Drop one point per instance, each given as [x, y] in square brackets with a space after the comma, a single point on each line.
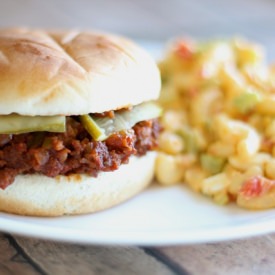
[93, 129]
[17, 124]
[101, 128]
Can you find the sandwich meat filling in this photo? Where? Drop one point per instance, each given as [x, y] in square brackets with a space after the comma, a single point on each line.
[73, 151]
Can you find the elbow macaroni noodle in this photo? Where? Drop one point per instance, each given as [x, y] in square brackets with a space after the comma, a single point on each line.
[219, 121]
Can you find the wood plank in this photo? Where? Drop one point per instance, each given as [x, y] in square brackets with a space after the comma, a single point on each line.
[11, 261]
[147, 19]
[249, 256]
[61, 258]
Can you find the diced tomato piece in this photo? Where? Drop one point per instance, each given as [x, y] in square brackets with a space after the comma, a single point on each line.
[256, 186]
[184, 49]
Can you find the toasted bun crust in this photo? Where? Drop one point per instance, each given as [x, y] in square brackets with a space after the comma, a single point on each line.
[43, 196]
[72, 72]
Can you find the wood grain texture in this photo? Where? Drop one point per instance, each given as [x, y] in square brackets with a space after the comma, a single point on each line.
[60, 258]
[152, 19]
[11, 261]
[249, 256]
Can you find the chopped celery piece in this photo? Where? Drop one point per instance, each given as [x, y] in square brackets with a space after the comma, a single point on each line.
[212, 164]
[246, 101]
[17, 124]
[190, 139]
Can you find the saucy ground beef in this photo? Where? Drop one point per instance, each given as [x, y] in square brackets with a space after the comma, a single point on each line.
[74, 151]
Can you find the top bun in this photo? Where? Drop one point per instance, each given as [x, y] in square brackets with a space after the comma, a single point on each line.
[72, 72]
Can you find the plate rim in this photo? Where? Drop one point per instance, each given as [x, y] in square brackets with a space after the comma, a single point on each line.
[139, 237]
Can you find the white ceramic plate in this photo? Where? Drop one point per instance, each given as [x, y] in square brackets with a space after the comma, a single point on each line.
[158, 216]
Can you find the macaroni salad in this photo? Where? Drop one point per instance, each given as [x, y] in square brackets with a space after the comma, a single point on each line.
[219, 121]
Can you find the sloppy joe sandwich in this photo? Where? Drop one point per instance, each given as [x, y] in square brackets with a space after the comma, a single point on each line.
[78, 124]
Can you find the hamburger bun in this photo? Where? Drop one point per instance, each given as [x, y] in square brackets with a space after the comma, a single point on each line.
[72, 73]
[38, 195]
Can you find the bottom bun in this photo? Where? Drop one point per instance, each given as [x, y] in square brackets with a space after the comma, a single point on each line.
[38, 195]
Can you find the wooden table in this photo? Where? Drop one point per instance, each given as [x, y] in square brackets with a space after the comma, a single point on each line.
[31, 256]
[158, 21]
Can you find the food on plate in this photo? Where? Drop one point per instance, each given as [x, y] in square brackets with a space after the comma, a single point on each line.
[219, 121]
[78, 122]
